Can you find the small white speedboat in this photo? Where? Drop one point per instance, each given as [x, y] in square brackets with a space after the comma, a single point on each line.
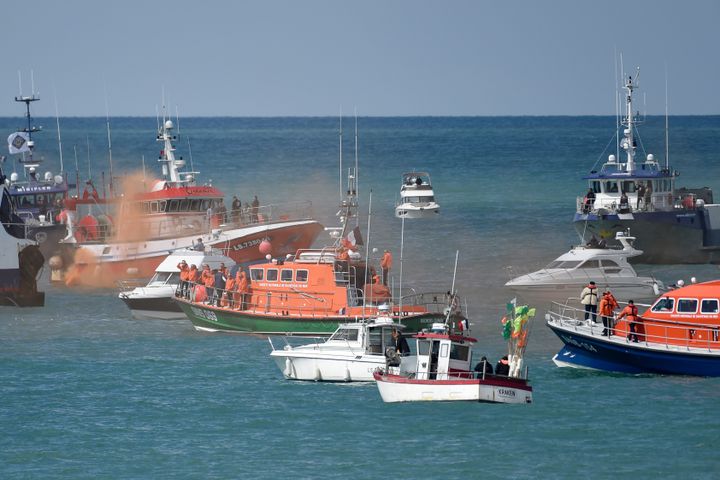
[609, 268]
[351, 354]
[417, 199]
[155, 300]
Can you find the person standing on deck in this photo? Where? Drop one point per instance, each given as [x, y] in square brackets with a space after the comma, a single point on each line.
[631, 312]
[640, 195]
[607, 306]
[184, 272]
[242, 289]
[255, 209]
[235, 208]
[386, 265]
[219, 282]
[589, 298]
[648, 195]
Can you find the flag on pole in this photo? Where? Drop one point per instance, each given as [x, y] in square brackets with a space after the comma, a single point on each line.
[19, 142]
[355, 237]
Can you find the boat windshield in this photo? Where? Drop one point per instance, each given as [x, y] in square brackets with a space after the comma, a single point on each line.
[345, 334]
[665, 304]
[427, 199]
[568, 264]
[164, 278]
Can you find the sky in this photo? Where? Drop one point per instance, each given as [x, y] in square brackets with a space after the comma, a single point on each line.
[378, 57]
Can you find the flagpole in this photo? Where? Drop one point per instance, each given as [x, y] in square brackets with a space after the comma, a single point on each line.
[367, 246]
[402, 245]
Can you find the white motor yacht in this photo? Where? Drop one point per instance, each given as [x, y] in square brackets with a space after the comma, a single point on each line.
[351, 354]
[607, 267]
[155, 300]
[417, 199]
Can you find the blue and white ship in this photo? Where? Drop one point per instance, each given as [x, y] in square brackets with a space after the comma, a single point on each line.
[672, 225]
[38, 198]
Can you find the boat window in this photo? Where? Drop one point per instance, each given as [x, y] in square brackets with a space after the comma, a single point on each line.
[595, 185]
[162, 207]
[375, 341]
[301, 276]
[256, 274]
[195, 205]
[459, 352]
[567, 264]
[611, 187]
[628, 186]
[153, 207]
[159, 279]
[174, 278]
[286, 275]
[709, 305]
[591, 264]
[423, 347]
[346, 334]
[173, 206]
[665, 304]
[443, 350]
[609, 263]
[106, 250]
[687, 305]
[272, 275]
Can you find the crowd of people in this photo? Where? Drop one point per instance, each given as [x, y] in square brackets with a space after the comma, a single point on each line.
[220, 288]
[607, 305]
[239, 213]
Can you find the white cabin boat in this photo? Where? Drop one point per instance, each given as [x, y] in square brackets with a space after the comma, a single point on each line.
[443, 372]
[351, 354]
[155, 300]
[417, 199]
[607, 267]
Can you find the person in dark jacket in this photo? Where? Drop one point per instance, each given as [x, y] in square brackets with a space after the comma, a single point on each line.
[400, 343]
[220, 280]
[484, 366]
[503, 367]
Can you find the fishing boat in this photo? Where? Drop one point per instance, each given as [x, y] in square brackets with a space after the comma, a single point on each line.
[351, 354]
[417, 199]
[315, 290]
[442, 369]
[679, 334]
[20, 257]
[155, 299]
[130, 235]
[672, 225]
[38, 197]
[608, 267]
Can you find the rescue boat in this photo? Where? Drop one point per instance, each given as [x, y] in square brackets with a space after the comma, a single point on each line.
[315, 290]
[129, 235]
[679, 334]
[417, 199]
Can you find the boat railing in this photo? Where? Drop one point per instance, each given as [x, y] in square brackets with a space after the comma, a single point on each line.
[309, 304]
[649, 331]
[173, 224]
[658, 202]
[20, 229]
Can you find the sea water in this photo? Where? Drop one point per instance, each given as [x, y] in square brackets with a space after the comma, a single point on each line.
[88, 392]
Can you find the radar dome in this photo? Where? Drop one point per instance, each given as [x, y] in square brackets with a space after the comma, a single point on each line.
[612, 158]
[169, 125]
[48, 176]
[14, 177]
[58, 179]
[650, 157]
[32, 169]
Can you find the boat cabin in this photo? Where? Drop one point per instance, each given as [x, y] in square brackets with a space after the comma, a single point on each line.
[441, 355]
[374, 338]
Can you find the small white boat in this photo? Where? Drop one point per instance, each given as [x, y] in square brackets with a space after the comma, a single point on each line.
[443, 373]
[155, 300]
[351, 354]
[607, 267]
[417, 199]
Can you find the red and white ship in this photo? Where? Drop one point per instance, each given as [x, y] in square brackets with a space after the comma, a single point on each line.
[128, 235]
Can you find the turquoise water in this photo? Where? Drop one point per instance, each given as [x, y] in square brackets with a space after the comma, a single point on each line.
[87, 392]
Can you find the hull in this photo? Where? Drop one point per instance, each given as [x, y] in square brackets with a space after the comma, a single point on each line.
[162, 308]
[416, 212]
[209, 318]
[674, 237]
[332, 368]
[615, 354]
[141, 259]
[396, 388]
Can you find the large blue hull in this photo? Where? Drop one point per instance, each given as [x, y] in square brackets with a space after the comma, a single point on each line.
[586, 351]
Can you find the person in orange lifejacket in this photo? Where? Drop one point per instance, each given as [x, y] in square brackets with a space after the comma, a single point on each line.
[631, 312]
[242, 288]
[229, 297]
[192, 278]
[607, 307]
[386, 265]
[376, 292]
[184, 271]
[208, 279]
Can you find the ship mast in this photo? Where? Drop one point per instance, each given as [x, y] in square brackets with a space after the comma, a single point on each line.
[628, 142]
[30, 129]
